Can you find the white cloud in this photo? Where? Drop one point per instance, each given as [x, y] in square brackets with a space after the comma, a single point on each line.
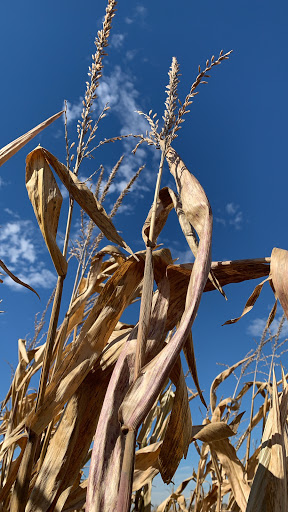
[138, 14]
[73, 110]
[234, 216]
[10, 212]
[19, 249]
[119, 90]
[130, 54]
[17, 242]
[43, 278]
[231, 208]
[117, 40]
[257, 326]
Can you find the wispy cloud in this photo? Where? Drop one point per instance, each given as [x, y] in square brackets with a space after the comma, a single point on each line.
[41, 278]
[139, 13]
[16, 242]
[117, 41]
[257, 326]
[20, 250]
[74, 110]
[233, 216]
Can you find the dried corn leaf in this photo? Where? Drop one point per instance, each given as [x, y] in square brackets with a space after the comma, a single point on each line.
[69, 446]
[176, 496]
[234, 471]
[86, 288]
[46, 200]
[226, 272]
[250, 302]
[15, 278]
[148, 385]
[279, 272]
[211, 432]
[15, 145]
[188, 350]
[191, 237]
[76, 499]
[220, 378]
[269, 488]
[86, 199]
[178, 434]
[108, 452]
[163, 208]
[146, 465]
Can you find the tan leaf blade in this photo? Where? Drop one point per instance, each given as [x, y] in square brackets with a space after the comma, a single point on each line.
[13, 147]
[220, 378]
[212, 432]
[164, 207]
[46, 200]
[146, 465]
[16, 279]
[191, 237]
[234, 470]
[86, 199]
[175, 496]
[250, 302]
[191, 361]
[178, 434]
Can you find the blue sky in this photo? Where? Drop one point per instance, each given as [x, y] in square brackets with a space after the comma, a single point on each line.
[234, 140]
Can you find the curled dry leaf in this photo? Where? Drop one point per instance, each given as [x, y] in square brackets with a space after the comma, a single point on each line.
[86, 199]
[220, 378]
[146, 465]
[211, 432]
[178, 433]
[46, 200]
[250, 302]
[176, 496]
[16, 279]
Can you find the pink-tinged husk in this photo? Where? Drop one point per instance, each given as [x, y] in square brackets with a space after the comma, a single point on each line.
[146, 388]
[108, 451]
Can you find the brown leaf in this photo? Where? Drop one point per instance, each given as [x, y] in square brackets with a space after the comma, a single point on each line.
[15, 145]
[220, 378]
[212, 432]
[234, 471]
[250, 302]
[146, 465]
[188, 350]
[164, 207]
[175, 497]
[46, 200]
[226, 272]
[86, 199]
[178, 434]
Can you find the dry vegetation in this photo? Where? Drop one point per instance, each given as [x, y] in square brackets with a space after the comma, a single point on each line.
[124, 385]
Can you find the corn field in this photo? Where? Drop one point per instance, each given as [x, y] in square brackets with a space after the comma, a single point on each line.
[113, 396]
